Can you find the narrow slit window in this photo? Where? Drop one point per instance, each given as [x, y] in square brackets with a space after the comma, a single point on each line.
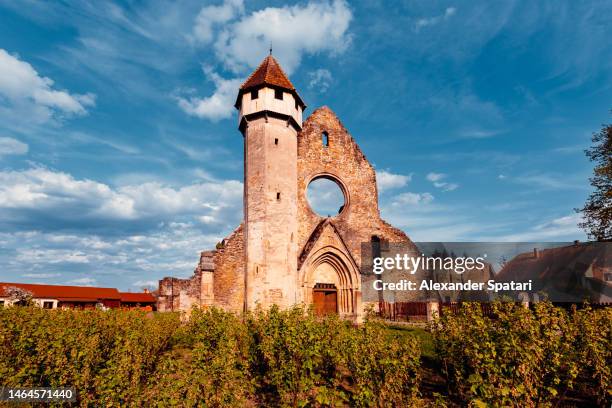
[278, 94]
[325, 139]
[275, 141]
[278, 196]
[375, 246]
[254, 94]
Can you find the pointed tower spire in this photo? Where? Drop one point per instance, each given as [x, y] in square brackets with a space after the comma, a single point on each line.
[270, 74]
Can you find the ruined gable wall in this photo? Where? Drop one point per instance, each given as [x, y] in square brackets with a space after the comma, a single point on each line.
[179, 294]
[345, 160]
[218, 280]
[228, 283]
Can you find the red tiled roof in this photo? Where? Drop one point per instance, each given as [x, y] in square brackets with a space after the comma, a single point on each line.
[61, 299]
[269, 72]
[128, 297]
[558, 264]
[67, 293]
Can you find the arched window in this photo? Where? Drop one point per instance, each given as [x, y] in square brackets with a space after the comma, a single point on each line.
[325, 139]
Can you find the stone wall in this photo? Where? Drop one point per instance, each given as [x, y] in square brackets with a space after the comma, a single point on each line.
[228, 285]
[343, 161]
[179, 294]
[206, 268]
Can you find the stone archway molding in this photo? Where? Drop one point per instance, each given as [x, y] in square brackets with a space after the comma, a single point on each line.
[329, 253]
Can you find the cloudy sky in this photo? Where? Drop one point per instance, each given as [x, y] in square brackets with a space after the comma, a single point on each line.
[120, 157]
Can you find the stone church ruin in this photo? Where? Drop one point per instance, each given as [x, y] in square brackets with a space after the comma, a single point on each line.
[284, 253]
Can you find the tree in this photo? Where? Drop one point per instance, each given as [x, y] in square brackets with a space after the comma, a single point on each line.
[598, 207]
[19, 296]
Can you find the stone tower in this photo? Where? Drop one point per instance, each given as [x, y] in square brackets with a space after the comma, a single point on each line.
[270, 117]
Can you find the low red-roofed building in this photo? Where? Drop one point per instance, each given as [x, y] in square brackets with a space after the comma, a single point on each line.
[144, 301]
[566, 274]
[79, 297]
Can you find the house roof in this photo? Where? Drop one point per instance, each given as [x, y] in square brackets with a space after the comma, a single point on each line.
[560, 263]
[565, 274]
[128, 297]
[269, 73]
[65, 293]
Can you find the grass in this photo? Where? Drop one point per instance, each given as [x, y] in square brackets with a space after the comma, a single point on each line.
[422, 335]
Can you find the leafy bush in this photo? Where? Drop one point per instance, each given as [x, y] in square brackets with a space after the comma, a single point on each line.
[208, 365]
[522, 357]
[300, 360]
[294, 358]
[384, 370]
[279, 358]
[106, 356]
[594, 349]
[516, 357]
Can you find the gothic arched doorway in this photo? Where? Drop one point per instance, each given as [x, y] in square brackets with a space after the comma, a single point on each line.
[331, 283]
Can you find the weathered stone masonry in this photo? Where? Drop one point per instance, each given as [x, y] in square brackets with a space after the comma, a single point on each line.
[284, 253]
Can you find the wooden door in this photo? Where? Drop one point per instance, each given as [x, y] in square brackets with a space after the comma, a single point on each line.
[319, 302]
[331, 302]
[325, 299]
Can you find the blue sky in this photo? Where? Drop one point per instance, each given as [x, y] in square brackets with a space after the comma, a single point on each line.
[120, 157]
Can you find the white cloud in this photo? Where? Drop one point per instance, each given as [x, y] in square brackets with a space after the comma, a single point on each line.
[242, 41]
[387, 180]
[41, 275]
[446, 186]
[425, 219]
[435, 176]
[9, 146]
[124, 261]
[211, 16]
[424, 22]
[545, 181]
[412, 199]
[54, 256]
[207, 219]
[436, 179]
[463, 108]
[320, 80]
[479, 133]
[220, 105]
[26, 91]
[558, 229]
[570, 149]
[293, 31]
[146, 283]
[40, 195]
[83, 281]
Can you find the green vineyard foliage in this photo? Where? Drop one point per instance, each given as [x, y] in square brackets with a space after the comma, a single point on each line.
[516, 357]
[213, 359]
[521, 357]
